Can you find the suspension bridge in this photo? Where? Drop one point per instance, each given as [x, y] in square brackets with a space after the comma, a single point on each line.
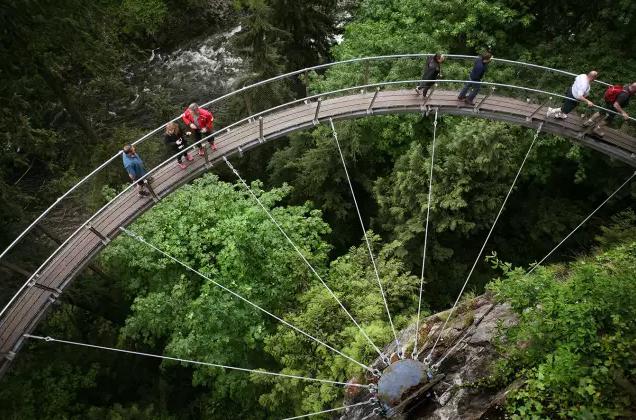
[524, 106]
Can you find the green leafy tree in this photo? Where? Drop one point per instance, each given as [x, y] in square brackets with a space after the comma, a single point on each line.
[574, 344]
[218, 229]
[353, 279]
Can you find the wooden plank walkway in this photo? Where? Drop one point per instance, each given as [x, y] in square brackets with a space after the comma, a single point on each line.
[25, 313]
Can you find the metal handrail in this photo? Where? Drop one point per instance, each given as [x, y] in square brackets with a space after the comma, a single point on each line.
[252, 117]
[252, 86]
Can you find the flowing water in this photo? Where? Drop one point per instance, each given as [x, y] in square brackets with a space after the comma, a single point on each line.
[199, 71]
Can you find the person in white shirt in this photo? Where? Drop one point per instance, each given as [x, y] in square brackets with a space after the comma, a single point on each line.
[578, 92]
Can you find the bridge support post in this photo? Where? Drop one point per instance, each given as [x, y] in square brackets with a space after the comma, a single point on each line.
[206, 156]
[261, 137]
[375, 96]
[316, 121]
[486, 96]
[97, 233]
[154, 195]
[240, 150]
[57, 292]
[531, 116]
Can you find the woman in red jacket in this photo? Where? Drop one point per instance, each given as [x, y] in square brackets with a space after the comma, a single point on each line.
[200, 122]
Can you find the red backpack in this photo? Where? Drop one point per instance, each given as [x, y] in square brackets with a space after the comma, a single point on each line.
[612, 93]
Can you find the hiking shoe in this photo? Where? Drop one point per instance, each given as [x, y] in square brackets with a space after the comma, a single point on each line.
[417, 91]
[469, 102]
[189, 157]
[213, 146]
[560, 115]
[461, 98]
[143, 193]
[182, 165]
[201, 152]
[551, 112]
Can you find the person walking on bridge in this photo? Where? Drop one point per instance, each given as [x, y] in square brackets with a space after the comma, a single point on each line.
[431, 71]
[579, 91]
[476, 74]
[200, 122]
[616, 99]
[135, 168]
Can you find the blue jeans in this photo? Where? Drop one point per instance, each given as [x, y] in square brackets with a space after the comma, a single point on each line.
[472, 86]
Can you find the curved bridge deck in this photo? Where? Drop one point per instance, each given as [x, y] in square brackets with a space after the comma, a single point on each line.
[29, 308]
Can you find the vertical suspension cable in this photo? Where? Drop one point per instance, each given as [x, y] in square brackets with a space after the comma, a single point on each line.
[311, 268]
[189, 361]
[366, 237]
[536, 135]
[162, 252]
[428, 212]
[582, 223]
[330, 410]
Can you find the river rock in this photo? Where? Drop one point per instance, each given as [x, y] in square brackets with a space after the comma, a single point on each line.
[465, 354]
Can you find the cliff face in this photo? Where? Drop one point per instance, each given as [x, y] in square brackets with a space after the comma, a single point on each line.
[465, 353]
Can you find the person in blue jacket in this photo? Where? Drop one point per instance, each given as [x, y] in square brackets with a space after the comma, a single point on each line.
[135, 168]
[477, 73]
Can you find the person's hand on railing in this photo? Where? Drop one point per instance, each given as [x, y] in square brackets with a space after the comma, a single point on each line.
[625, 115]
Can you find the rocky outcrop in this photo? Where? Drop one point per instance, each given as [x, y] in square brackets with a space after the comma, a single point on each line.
[463, 355]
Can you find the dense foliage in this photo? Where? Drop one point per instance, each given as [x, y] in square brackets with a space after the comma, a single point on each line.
[574, 345]
[67, 105]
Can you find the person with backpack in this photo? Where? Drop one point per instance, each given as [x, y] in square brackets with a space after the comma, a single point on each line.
[476, 74]
[135, 168]
[199, 121]
[175, 140]
[616, 98]
[431, 71]
[579, 91]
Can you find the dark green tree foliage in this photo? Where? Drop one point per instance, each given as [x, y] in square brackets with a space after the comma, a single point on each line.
[353, 279]
[219, 230]
[574, 345]
[311, 26]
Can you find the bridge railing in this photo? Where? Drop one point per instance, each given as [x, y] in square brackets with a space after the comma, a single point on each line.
[72, 210]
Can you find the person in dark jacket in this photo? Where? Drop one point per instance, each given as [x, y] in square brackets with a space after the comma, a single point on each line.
[477, 73]
[177, 143]
[601, 119]
[135, 168]
[431, 71]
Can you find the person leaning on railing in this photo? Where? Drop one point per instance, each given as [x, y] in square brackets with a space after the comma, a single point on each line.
[135, 168]
[176, 141]
[476, 74]
[432, 70]
[200, 122]
[616, 99]
[579, 91]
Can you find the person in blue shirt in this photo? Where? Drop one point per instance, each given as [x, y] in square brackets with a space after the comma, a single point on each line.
[135, 168]
[477, 73]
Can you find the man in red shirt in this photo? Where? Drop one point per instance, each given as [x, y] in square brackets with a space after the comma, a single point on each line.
[200, 122]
